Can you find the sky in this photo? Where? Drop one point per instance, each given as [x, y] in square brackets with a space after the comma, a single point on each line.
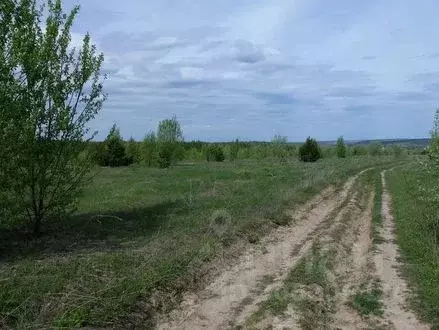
[252, 69]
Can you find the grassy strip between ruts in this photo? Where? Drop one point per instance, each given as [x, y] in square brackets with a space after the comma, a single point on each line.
[368, 299]
[143, 236]
[416, 209]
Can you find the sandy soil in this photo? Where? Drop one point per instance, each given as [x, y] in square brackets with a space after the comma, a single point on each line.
[342, 224]
[233, 295]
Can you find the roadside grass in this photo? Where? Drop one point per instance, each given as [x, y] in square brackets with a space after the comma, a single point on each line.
[143, 236]
[416, 213]
[377, 223]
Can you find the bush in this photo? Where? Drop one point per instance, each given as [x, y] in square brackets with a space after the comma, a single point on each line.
[98, 153]
[178, 152]
[279, 148]
[215, 153]
[234, 150]
[115, 154]
[310, 151]
[132, 151]
[340, 147]
[359, 151]
[376, 149]
[165, 154]
[149, 150]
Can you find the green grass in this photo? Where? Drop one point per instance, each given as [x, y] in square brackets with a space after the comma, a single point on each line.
[311, 270]
[143, 233]
[369, 300]
[377, 223]
[416, 211]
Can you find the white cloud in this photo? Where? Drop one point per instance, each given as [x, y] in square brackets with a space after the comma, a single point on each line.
[299, 67]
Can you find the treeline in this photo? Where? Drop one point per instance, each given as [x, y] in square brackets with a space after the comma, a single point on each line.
[166, 147]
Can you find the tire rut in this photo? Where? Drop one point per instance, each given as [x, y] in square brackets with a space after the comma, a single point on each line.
[234, 294]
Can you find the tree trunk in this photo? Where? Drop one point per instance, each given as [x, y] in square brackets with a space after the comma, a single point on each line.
[37, 225]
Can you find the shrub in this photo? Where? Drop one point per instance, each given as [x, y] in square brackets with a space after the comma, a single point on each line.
[114, 149]
[132, 151]
[376, 149]
[165, 154]
[214, 153]
[359, 151]
[149, 150]
[397, 151]
[340, 147]
[178, 152]
[279, 147]
[234, 150]
[310, 151]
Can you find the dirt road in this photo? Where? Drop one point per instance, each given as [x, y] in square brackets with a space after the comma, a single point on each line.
[336, 226]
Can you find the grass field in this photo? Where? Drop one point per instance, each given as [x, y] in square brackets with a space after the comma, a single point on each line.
[143, 236]
[417, 218]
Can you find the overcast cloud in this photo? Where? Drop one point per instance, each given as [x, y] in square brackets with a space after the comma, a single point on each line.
[252, 69]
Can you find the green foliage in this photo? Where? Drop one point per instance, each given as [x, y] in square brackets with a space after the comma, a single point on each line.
[433, 149]
[115, 154]
[340, 147]
[194, 154]
[368, 301]
[310, 151]
[178, 152]
[169, 139]
[416, 208]
[149, 150]
[397, 151]
[165, 154]
[169, 130]
[279, 145]
[234, 150]
[214, 153]
[48, 94]
[133, 151]
[359, 151]
[376, 149]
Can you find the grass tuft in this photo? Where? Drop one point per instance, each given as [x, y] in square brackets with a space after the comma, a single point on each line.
[368, 301]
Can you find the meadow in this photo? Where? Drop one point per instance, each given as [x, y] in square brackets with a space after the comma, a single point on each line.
[143, 236]
[416, 209]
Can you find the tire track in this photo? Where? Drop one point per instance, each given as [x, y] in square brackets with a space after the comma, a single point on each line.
[234, 294]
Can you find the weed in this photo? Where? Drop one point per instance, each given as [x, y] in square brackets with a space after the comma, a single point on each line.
[368, 300]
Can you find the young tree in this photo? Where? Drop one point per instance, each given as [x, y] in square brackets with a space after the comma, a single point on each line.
[49, 92]
[169, 130]
[132, 151]
[310, 151]
[340, 147]
[149, 150]
[214, 153]
[115, 148]
[169, 138]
